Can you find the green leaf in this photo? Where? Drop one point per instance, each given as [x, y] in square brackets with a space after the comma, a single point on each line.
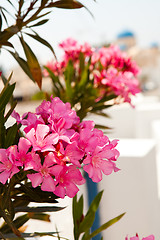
[5, 82]
[2, 129]
[41, 40]
[13, 105]
[11, 135]
[32, 63]
[18, 222]
[90, 216]
[56, 83]
[39, 23]
[11, 226]
[5, 96]
[39, 216]
[23, 64]
[102, 126]
[0, 22]
[6, 43]
[36, 194]
[70, 4]
[104, 226]
[38, 209]
[69, 76]
[84, 78]
[42, 15]
[77, 211]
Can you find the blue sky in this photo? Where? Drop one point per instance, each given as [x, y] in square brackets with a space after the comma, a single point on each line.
[110, 17]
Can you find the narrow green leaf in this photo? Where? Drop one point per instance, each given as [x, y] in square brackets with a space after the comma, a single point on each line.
[104, 226]
[42, 15]
[58, 234]
[18, 222]
[5, 97]
[38, 209]
[41, 40]
[102, 114]
[31, 193]
[23, 64]
[56, 82]
[2, 129]
[11, 135]
[10, 111]
[90, 216]
[11, 226]
[69, 76]
[102, 126]
[66, 4]
[0, 22]
[8, 44]
[32, 63]
[39, 216]
[39, 23]
[77, 211]
[5, 82]
[84, 79]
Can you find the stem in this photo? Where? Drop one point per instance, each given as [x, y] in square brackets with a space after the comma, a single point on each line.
[4, 214]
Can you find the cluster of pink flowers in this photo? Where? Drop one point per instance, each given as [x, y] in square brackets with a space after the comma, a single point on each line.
[150, 237]
[55, 146]
[110, 69]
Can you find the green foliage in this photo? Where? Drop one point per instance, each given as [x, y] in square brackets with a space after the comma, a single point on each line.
[28, 15]
[78, 89]
[83, 223]
[16, 198]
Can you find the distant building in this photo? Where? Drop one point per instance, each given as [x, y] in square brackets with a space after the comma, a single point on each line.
[125, 40]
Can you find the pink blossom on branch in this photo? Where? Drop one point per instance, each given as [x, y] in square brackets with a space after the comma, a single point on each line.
[56, 146]
[7, 166]
[150, 237]
[120, 76]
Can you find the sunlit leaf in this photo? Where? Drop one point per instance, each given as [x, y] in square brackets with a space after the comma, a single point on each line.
[32, 63]
[39, 216]
[41, 40]
[23, 64]
[70, 4]
[104, 226]
[90, 216]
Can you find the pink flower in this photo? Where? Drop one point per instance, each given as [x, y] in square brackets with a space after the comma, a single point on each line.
[67, 180]
[7, 166]
[40, 139]
[97, 162]
[21, 155]
[71, 154]
[44, 173]
[52, 112]
[150, 237]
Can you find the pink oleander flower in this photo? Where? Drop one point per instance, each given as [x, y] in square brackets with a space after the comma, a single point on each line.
[21, 155]
[56, 145]
[67, 180]
[7, 166]
[100, 161]
[52, 112]
[44, 173]
[40, 138]
[150, 237]
[122, 84]
[71, 154]
[55, 66]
